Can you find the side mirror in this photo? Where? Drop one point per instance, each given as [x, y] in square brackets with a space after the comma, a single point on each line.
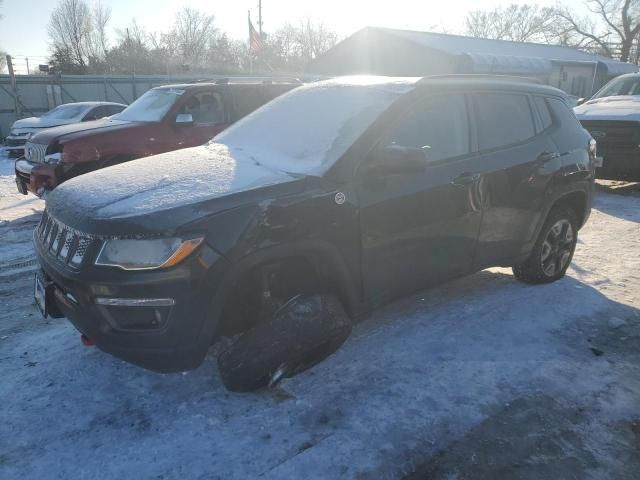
[395, 159]
[184, 119]
[580, 101]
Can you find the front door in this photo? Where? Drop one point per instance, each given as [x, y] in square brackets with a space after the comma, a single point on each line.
[421, 226]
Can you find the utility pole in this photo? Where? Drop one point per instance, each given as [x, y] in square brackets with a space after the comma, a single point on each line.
[14, 87]
[27, 59]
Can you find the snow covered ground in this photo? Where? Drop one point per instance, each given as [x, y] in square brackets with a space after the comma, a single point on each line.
[483, 377]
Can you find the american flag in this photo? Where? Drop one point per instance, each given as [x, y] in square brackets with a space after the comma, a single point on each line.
[256, 44]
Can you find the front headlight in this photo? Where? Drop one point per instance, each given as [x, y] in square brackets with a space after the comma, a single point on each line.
[146, 254]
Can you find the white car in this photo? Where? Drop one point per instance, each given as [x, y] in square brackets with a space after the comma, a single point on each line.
[23, 129]
[612, 116]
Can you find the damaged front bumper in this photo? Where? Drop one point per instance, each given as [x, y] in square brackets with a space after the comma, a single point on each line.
[154, 319]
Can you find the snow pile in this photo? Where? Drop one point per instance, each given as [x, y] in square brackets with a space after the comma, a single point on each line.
[308, 129]
[161, 182]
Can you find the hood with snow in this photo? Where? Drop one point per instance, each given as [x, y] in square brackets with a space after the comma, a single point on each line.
[621, 107]
[156, 194]
[31, 124]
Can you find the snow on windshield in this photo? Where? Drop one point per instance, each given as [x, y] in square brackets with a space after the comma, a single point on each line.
[151, 106]
[308, 129]
[66, 112]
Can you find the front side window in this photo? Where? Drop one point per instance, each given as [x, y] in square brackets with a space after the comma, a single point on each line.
[150, 107]
[205, 108]
[503, 119]
[438, 126]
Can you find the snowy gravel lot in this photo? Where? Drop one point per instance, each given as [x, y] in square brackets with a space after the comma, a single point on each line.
[482, 377]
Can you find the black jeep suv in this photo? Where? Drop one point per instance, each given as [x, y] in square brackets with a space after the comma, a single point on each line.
[364, 188]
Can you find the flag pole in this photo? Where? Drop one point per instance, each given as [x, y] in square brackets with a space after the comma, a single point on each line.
[250, 52]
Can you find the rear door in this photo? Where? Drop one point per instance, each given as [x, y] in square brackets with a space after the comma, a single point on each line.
[521, 160]
[421, 227]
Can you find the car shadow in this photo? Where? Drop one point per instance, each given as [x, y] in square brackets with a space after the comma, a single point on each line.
[412, 379]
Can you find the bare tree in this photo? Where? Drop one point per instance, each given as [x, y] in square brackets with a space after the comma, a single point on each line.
[291, 47]
[616, 33]
[100, 17]
[192, 34]
[519, 23]
[315, 39]
[70, 30]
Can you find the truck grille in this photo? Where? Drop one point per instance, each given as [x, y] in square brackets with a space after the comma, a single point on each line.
[618, 141]
[61, 242]
[35, 152]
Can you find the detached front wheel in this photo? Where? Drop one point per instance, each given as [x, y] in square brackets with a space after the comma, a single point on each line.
[303, 332]
[553, 250]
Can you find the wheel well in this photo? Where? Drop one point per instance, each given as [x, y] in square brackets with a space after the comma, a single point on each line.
[259, 292]
[576, 201]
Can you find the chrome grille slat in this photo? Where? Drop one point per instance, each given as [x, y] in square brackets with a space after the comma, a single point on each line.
[35, 152]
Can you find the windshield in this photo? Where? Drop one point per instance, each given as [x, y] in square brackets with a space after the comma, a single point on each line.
[65, 112]
[620, 86]
[151, 106]
[308, 129]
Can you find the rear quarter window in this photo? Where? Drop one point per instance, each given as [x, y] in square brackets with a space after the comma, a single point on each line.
[543, 111]
[503, 119]
[570, 135]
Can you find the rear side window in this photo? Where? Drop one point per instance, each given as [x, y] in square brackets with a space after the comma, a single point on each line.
[246, 99]
[543, 110]
[503, 119]
[96, 113]
[439, 126]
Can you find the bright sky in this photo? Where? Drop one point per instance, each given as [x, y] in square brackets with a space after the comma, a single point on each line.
[23, 30]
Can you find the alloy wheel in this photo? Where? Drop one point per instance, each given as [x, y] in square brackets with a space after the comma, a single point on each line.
[557, 248]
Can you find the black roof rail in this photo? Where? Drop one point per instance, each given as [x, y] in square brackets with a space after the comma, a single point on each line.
[483, 76]
[249, 79]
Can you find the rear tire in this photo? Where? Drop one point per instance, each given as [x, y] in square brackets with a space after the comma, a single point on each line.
[553, 251]
[303, 332]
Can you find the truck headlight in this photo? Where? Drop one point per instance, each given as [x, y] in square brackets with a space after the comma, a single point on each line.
[131, 254]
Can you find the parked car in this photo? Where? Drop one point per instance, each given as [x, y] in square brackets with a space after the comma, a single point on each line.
[68, 113]
[612, 116]
[163, 119]
[363, 188]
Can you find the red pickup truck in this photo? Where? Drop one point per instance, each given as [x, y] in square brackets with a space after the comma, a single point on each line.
[163, 119]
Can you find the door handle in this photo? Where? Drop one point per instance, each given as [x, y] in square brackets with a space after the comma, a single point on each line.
[545, 157]
[466, 178]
